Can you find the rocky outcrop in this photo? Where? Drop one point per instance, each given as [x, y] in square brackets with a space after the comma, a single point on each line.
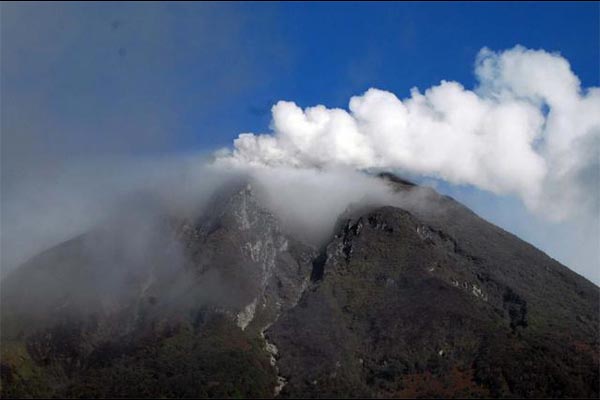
[263, 270]
[234, 262]
[415, 303]
[426, 300]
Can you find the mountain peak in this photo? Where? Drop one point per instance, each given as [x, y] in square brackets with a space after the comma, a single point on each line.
[426, 299]
[388, 176]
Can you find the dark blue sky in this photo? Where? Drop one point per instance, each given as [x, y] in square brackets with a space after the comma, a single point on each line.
[331, 51]
[163, 77]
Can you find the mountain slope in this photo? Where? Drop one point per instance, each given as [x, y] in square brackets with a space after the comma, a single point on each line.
[147, 302]
[426, 299]
[402, 311]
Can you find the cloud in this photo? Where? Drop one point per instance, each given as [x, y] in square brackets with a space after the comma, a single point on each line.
[73, 151]
[308, 202]
[83, 80]
[527, 129]
[94, 96]
[39, 213]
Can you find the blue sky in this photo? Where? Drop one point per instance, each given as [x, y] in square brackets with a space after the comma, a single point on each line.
[85, 79]
[329, 52]
[208, 72]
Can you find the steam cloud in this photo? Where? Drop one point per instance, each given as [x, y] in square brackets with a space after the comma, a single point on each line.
[527, 129]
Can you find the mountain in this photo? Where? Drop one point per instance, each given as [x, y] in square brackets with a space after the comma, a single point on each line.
[426, 300]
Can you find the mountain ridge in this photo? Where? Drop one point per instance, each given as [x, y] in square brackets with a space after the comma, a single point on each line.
[235, 279]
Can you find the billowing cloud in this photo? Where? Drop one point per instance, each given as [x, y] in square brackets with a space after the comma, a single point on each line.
[527, 129]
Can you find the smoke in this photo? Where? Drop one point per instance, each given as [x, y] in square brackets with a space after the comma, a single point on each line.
[308, 202]
[527, 129]
[96, 99]
[40, 213]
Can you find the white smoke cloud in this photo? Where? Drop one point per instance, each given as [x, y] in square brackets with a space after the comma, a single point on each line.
[527, 129]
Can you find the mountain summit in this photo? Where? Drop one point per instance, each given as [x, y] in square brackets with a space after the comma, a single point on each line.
[424, 300]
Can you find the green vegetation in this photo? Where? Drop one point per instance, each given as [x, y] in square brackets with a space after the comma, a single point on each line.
[216, 359]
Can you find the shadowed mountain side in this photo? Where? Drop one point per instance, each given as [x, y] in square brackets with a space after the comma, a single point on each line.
[423, 300]
[400, 312]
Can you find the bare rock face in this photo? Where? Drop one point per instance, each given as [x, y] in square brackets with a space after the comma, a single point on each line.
[427, 300]
[111, 302]
[263, 271]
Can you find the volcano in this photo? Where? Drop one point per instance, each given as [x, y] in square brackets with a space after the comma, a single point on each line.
[424, 300]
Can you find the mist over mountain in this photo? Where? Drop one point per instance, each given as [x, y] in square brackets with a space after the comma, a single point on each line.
[379, 288]
[299, 200]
